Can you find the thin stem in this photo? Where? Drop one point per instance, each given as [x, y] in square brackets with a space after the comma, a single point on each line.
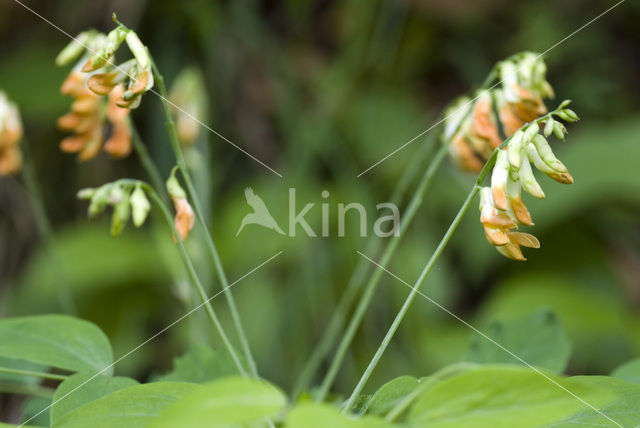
[355, 283]
[194, 277]
[44, 227]
[211, 247]
[372, 284]
[42, 375]
[22, 389]
[427, 269]
[405, 307]
[145, 159]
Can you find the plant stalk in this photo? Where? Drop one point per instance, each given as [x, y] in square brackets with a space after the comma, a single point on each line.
[194, 278]
[427, 269]
[32, 373]
[372, 284]
[213, 252]
[355, 283]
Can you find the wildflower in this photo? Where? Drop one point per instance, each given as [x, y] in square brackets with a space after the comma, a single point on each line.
[501, 207]
[185, 218]
[104, 92]
[474, 132]
[127, 198]
[10, 135]
[187, 96]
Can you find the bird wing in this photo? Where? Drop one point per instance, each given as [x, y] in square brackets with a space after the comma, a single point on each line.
[254, 200]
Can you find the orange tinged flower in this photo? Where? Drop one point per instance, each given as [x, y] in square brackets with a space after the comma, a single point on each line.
[185, 219]
[10, 135]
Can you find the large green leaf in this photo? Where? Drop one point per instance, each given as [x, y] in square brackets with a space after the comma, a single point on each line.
[624, 411]
[226, 402]
[538, 339]
[307, 415]
[629, 371]
[56, 340]
[82, 388]
[132, 407]
[504, 396]
[200, 364]
[389, 394]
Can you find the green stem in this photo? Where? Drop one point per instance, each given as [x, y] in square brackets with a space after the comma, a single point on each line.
[356, 281]
[22, 389]
[145, 159]
[32, 373]
[427, 269]
[194, 277]
[372, 284]
[44, 227]
[213, 252]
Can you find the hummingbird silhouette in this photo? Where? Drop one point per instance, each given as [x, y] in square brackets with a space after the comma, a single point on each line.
[260, 214]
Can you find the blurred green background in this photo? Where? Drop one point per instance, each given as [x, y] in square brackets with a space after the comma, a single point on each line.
[320, 90]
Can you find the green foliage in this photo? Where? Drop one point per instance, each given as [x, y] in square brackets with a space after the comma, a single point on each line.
[81, 389]
[200, 364]
[503, 396]
[538, 339]
[390, 394]
[57, 341]
[306, 415]
[226, 402]
[629, 371]
[132, 407]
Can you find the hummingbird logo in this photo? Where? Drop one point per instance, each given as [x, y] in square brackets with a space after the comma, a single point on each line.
[260, 215]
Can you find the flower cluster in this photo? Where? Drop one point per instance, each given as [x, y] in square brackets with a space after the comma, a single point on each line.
[103, 91]
[127, 198]
[475, 127]
[501, 206]
[10, 135]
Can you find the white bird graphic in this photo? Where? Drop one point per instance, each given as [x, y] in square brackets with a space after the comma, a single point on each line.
[260, 214]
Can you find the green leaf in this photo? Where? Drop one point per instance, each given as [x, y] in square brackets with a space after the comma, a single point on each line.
[56, 340]
[503, 396]
[200, 364]
[624, 410]
[308, 415]
[3, 425]
[389, 394]
[36, 410]
[11, 363]
[78, 390]
[226, 402]
[629, 371]
[132, 407]
[538, 339]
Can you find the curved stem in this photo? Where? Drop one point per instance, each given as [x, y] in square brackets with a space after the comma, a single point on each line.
[32, 373]
[213, 252]
[146, 160]
[427, 269]
[355, 283]
[372, 284]
[194, 277]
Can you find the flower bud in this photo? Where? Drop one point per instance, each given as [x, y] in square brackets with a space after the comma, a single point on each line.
[546, 154]
[73, 50]
[139, 206]
[173, 186]
[121, 213]
[568, 115]
[559, 130]
[86, 193]
[138, 49]
[499, 178]
[514, 149]
[548, 127]
[528, 181]
[100, 200]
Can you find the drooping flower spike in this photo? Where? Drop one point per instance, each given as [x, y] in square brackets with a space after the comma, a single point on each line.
[474, 127]
[188, 101]
[10, 135]
[127, 198]
[501, 207]
[103, 91]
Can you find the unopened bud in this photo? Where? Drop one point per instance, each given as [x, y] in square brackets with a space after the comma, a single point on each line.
[139, 206]
[138, 49]
[548, 127]
[73, 49]
[173, 186]
[86, 193]
[121, 213]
